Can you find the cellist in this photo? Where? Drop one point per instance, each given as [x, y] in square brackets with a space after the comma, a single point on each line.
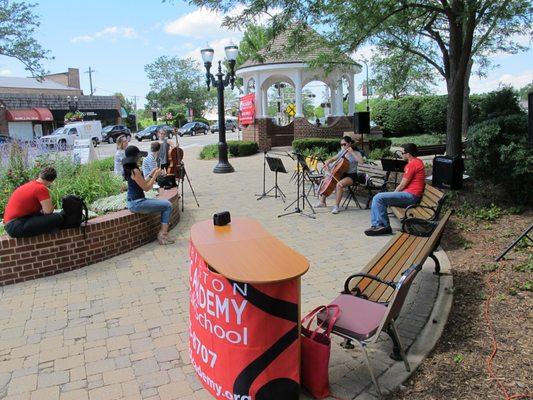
[347, 178]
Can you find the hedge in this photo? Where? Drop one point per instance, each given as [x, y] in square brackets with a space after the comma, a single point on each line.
[331, 145]
[236, 148]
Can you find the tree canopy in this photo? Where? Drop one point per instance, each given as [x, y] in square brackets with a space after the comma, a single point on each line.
[17, 28]
[449, 35]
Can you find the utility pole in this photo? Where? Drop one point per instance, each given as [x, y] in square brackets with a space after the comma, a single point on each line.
[90, 72]
[135, 105]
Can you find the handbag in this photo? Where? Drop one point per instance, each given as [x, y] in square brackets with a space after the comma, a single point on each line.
[316, 348]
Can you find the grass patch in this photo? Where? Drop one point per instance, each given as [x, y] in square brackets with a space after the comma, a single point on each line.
[419, 140]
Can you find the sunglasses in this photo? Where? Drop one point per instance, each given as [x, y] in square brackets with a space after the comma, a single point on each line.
[344, 144]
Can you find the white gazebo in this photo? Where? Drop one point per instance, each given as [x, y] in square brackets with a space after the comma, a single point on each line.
[278, 63]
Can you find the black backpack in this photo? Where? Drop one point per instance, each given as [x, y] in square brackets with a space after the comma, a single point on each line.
[73, 210]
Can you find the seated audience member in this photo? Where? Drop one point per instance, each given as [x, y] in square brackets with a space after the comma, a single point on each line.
[122, 143]
[409, 191]
[137, 185]
[150, 161]
[29, 210]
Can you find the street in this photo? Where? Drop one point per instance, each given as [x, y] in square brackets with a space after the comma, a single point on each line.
[108, 150]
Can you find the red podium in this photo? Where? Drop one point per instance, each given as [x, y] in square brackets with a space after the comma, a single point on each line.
[244, 340]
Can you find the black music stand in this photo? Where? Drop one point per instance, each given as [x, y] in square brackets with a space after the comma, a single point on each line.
[304, 168]
[275, 165]
[182, 174]
[393, 165]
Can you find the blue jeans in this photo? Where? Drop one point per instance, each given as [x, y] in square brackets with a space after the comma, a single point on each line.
[149, 206]
[381, 201]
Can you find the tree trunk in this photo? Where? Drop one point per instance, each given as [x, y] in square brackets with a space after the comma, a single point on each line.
[454, 116]
[466, 101]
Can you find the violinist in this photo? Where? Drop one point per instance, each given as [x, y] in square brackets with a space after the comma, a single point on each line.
[347, 178]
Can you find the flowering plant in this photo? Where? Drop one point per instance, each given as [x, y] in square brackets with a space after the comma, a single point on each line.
[74, 116]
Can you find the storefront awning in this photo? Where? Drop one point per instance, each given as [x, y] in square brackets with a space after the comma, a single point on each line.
[33, 114]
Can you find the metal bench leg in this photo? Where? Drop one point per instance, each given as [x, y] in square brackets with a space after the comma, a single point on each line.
[394, 332]
[437, 264]
[374, 380]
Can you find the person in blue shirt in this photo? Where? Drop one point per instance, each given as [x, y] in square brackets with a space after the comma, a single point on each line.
[150, 161]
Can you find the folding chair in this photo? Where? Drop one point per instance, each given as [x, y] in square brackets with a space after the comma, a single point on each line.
[362, 320]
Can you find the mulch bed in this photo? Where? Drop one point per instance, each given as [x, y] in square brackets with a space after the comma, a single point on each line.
[457, 367]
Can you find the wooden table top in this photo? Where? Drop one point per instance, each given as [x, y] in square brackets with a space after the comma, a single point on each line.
[245, 252]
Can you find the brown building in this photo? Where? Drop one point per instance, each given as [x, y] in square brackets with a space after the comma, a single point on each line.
[30, 108]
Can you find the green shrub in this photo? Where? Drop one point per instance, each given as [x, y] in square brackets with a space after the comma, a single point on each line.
[403, 116]
[209, 152]
[379, 113]
[378, 154]
[236, 148]
[105, 164]
[201, 119]
[419, 140]
[321, 152]
[498, 152]
[432, 114]
[379, 143]
[331, 145]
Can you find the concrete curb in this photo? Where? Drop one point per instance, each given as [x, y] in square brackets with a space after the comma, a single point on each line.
[426, 340]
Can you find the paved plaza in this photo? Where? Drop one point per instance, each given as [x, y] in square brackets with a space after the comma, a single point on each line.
[118, 329]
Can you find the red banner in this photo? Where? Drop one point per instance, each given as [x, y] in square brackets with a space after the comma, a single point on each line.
[243, 338]
[247, 109]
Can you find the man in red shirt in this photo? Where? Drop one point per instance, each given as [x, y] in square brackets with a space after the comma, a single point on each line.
[29, 210]
[409, 191]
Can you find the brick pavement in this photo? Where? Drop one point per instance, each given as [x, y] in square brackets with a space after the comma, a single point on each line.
[118, 329]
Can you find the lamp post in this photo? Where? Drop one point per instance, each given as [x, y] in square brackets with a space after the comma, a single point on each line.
[155, 109]
[220, 83]
[72, 103]
[188, 102]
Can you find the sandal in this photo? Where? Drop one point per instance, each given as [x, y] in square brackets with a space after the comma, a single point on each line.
[164, 239]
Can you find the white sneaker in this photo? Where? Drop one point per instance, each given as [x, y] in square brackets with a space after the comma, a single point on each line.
[335, 210]
[319, 205]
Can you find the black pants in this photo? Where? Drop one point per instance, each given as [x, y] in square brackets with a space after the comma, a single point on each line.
[34, 225]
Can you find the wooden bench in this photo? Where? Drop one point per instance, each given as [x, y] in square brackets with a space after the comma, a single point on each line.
[402, 251]
[379, 180]
[431, 149]
[429, 208]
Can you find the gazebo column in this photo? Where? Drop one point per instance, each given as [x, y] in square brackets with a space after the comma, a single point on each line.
[339, 107]
[351, 96]
[258, 100]
[331, 101]
[298, 94]
[264, 102]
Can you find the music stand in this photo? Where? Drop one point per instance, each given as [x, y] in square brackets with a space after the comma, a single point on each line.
[304, 168]
[182, 174]
[275, 165]
[393, 165]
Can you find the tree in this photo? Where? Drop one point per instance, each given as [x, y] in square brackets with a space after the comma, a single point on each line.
[255, 38]
[125, 103]
[524, 91]
[172, 80]
[397, 73]
[447, 34]
[17, 27]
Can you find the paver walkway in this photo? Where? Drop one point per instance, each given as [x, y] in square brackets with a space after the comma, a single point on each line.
[118, 329]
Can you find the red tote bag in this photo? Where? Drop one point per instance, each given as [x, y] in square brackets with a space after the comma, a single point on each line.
[316, 348]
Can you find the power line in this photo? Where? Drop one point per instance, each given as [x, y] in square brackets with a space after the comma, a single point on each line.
[90, 72]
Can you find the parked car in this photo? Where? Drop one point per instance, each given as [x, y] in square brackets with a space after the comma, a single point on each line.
[111, 132]
[65, 136]
[193, 128]
[230, 126]
[150, 132]
[4, 139]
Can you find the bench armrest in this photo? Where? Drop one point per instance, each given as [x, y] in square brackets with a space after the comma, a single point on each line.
[363, 275]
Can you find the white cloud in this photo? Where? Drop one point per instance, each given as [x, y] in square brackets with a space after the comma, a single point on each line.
[5, 72]
[111, 33]
[199, 24]
[217, 45]
[482, 85]
[364, 53]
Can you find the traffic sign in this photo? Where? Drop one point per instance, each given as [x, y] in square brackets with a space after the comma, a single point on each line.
[291, 109]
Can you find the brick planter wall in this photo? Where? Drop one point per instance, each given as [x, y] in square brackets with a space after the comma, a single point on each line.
[107, 236]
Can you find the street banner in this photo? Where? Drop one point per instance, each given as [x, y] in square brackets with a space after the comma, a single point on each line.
[247, 109]
[83, 152]
[243, 338]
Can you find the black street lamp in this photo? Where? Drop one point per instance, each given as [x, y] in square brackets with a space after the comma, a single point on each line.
[367, 87]
[72, 103]
[220, 83]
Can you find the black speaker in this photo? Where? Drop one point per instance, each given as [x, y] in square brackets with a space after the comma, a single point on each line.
[361, 122]
[530, 113]
[222, 218]
[448, 172]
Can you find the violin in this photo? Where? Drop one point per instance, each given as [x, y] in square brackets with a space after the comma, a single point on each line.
[327, 186]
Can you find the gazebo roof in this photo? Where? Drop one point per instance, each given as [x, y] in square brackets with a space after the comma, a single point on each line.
[278, 50]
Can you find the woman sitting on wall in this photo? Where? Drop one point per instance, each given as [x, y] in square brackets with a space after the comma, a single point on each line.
[137, 185]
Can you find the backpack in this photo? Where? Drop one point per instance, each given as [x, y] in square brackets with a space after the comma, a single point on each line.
[73, 209]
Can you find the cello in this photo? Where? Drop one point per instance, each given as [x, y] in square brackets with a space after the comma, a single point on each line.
[328, 184]
[175, 158]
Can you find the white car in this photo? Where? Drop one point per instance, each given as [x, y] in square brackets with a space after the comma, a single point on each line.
[63, 138]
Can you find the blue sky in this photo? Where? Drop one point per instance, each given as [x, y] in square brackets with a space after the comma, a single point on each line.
[117, 38]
